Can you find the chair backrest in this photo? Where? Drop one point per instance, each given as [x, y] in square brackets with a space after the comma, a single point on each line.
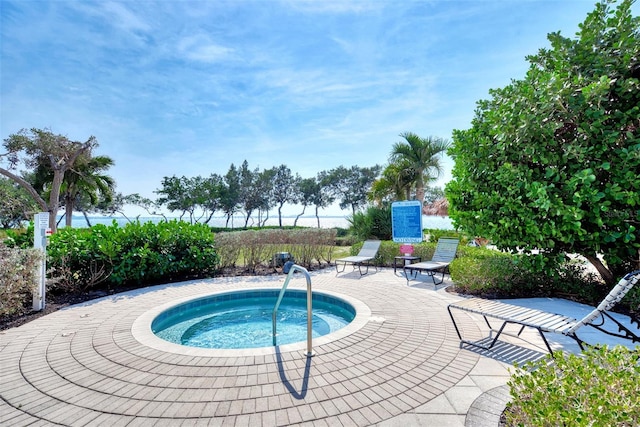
[369, 248]
[613, 297]
[446, 250]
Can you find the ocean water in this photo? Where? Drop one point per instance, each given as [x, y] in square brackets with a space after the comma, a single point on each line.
[437, 222]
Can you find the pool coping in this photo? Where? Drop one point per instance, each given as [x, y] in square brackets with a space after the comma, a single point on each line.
[141, 329]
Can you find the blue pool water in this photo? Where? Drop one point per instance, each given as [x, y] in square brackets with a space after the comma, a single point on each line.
[243, 319]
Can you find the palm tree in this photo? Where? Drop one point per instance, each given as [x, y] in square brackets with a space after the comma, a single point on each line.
[86, 181]
[421, 157]
[395, 183]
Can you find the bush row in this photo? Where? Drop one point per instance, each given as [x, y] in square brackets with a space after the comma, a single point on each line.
[253, 248]
[18, 269]
[134, 255]
[494, 274]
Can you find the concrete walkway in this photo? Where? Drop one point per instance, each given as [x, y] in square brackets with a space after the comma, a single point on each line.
[401, 366]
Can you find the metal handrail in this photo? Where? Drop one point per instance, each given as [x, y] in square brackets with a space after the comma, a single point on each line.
[291, 268]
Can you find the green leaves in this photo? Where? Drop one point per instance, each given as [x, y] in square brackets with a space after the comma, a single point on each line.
[551, 161]
[599, 387]
[139, 254]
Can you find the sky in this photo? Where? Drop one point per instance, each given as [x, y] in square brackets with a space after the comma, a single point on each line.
[187, 88]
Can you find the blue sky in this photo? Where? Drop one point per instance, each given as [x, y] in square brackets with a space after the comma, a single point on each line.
[189, 87]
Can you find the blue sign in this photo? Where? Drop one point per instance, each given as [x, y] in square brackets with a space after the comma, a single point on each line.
[406, 221]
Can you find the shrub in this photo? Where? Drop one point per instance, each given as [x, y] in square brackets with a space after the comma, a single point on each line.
[374, 223]
[137, 254]
[18, 280]
[20, 238]
[483, 272]
[434, 234]
[600, 387]
[491, 273]
[80, 258]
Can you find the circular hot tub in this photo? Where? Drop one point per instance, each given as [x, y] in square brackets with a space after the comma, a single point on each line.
[243, 319]
[239, 322]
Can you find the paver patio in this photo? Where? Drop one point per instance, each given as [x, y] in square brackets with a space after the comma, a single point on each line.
[401, 366]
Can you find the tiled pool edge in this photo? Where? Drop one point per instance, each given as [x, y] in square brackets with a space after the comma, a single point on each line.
[141, 330]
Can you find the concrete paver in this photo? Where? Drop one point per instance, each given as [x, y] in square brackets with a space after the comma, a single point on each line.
[402, 365]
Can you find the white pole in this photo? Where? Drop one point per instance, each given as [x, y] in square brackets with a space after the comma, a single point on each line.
[41, 225]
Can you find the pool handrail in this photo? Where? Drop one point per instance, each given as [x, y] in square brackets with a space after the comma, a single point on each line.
[290, 268]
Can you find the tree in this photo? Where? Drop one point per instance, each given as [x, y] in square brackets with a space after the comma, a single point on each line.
[85, 184]
[284, 185]
[349, 185]
[16, 205]
[396, 183]
[178, 195]
[230, 193]
[36, 147]
[210, 195]
[251, 196]
[116, 204]
[307, 190]
[264, 193]
[431, 194]
[420, 158]
[552, 161]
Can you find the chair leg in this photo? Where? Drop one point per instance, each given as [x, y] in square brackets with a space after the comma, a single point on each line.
[360, 269]
[474, 344]
[454, 322]
[546, 342]
[344, 265]
[433, 277]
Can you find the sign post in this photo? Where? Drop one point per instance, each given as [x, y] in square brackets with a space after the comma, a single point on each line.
[406, 221]
[41, 231]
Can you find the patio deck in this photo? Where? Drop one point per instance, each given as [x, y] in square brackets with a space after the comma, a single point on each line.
[402, 366]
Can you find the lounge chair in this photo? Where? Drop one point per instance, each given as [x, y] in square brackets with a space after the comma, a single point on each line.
[442, 257]
[367, 253]
[549, 322]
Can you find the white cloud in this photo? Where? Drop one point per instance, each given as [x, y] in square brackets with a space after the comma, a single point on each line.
[200, 48]
[120, 16]
[187, 88]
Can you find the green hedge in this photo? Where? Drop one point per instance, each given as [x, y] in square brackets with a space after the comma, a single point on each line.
[494, 274]
[134, 255]
[599, 387]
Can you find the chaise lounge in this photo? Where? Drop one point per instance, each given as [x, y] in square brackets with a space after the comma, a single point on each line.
[549, 322]
[442, 257]
[367, 253]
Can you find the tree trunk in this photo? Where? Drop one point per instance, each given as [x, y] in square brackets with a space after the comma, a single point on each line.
[68, 210]
[318, 217]
[86, 218]
[264, 221]
[420, 190]
[280, 215]
[54, 196]
[605, 273]
[295, 222]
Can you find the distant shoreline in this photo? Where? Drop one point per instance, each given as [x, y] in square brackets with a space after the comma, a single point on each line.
[78, 221]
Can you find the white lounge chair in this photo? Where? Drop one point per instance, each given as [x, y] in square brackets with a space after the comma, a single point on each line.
[549, 322]
[442, 257]
[367, 253]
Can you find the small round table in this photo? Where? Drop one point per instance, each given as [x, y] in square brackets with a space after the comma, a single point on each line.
[405, 258]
